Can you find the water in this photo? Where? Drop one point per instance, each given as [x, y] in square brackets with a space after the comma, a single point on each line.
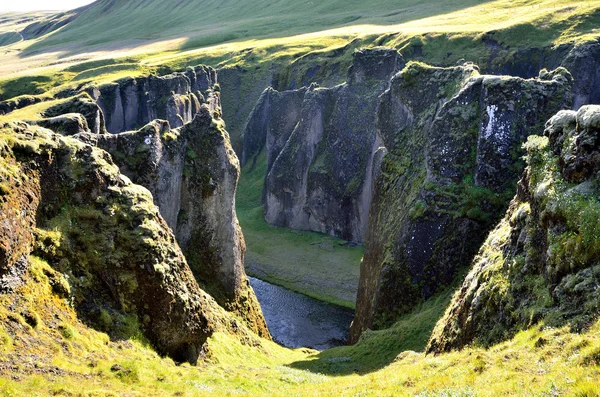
[296, 320]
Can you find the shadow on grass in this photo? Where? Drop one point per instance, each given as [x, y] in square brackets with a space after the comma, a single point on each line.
[378, 349]
[117, 27]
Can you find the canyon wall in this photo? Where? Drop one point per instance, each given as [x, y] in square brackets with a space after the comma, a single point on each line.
[108, 250]
[320, 145]
[192, 173]
[454, 146]
[540, 263]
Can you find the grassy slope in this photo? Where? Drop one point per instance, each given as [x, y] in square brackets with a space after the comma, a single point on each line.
[213, 22]
[269, 28]
[311, 263]
[44, 351]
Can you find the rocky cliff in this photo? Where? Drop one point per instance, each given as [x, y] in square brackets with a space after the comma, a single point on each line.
[99, 242]
[133, 102]
[192, 173]
[321, 145]
[541, 262]
[453, 139]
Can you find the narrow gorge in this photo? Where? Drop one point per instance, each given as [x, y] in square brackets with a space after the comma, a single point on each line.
[407, 214]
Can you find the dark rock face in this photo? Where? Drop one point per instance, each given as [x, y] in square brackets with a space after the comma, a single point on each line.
[541, 262]
[67, 203]
[321, 146]
[453, 139]
[132, 103]
[192, 173]
[583, 62]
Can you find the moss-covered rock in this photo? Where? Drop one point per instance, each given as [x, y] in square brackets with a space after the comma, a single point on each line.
[84, 105]
[542, 262]
[67, 124]
[192, 173]
[454, 141]
[18, 103]
[113, 256]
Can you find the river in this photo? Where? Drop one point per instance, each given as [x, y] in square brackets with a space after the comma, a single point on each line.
[296, 320]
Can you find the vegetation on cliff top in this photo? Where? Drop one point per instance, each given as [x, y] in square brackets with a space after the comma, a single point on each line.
[256, 35]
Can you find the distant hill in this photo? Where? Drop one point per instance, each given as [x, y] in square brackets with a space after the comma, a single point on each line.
[208, 22]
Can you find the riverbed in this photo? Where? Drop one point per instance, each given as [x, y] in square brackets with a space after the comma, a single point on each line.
[297, 320]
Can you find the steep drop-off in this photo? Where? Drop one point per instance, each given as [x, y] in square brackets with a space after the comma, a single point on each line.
[192, 173]
[108, 250]
[321, 146]
[454, 141]
[132, 103]
[540, 263]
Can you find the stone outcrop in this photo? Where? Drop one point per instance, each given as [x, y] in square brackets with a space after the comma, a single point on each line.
[66, 124]
[113, 256]
[192, 173]
[18, 103]
[85, 106]
[131, 103]
[454, 142]
[542, 261]
[584, 64]
[321, 146]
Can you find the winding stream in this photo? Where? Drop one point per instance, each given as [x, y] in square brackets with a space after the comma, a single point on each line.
[296, 320]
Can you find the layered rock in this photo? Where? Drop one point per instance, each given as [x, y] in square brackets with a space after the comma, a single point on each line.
[112, 255]
[454, 139]
[321, 146]
[542, 261]
[133, 102]
[192, 173]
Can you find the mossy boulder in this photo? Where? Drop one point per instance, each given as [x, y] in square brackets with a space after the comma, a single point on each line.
[112, 253]
[541, 264]
[454, 147]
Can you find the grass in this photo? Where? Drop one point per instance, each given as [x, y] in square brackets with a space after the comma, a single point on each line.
[541, 361]
[267, 33]
[311, 263]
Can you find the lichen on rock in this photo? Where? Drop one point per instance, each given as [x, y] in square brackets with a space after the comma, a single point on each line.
[113, 256]
[453, 139]
[541, 262]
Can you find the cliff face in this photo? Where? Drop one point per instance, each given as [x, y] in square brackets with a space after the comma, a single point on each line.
[321, 146]
[453, 139]
[132, 103]
[541, 262]
[192, 173]
[110, 252]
